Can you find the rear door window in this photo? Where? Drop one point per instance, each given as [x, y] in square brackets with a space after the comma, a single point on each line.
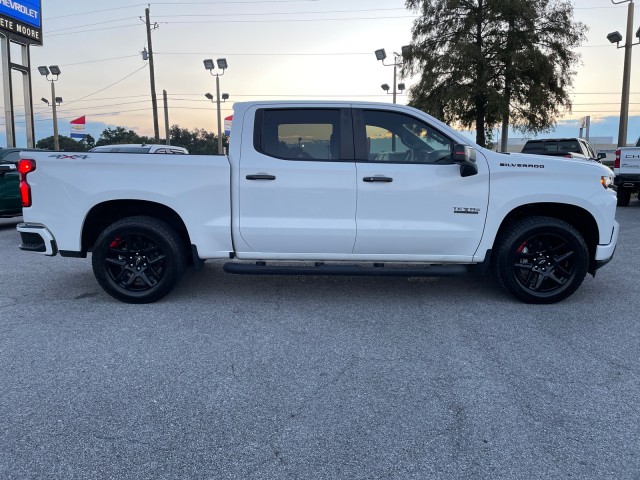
[300, 134]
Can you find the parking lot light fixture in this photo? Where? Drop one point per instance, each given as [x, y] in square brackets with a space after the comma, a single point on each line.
[614, 37]
[397, 61]
[208, 64]
[222, 65]
[209, 96]
[54, 71]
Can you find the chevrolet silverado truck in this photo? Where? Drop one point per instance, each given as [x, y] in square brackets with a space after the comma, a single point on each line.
[324, 188]
[563, 147]
[626, 167]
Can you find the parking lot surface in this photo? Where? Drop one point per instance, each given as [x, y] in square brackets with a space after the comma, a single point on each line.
[244, 377]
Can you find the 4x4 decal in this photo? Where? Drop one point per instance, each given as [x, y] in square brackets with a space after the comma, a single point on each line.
[72, 157]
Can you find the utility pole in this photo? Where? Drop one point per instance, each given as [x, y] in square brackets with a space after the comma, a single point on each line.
[504, 145]
[56, 141]
[154, 100]
[166, 117]
[626, 79]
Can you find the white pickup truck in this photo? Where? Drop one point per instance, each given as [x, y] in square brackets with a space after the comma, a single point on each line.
[627, 170]
[325, 188]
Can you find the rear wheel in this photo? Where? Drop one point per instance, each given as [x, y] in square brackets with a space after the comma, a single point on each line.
[541, 260]
[138, 259]
[624, 197]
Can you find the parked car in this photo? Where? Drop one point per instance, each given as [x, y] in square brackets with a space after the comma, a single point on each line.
[563, 147]
[142, 148]
[10, 201]
[627, 170]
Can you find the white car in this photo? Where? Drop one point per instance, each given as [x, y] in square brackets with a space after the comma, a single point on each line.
[140, 148]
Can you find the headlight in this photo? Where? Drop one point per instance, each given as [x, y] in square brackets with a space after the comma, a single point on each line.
[607, 181]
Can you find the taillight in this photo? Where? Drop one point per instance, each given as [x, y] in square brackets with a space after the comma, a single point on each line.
[616, 162]
[25, 166]
[568, 155]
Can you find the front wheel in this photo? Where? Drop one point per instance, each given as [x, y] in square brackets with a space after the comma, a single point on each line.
[138, 259]
[541, 260]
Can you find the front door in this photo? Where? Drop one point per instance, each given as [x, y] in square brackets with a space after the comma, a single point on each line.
[412, 200]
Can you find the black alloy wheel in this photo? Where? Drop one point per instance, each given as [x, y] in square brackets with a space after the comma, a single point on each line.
[135, 262]
[541, 260]
[138, 259]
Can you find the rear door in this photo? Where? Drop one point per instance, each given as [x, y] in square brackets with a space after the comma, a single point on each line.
[297, 192]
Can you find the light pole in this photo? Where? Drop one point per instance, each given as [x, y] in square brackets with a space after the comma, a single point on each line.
[616, 37]
[53, 70]
[385, 87]
[222, 65]
[397, 61]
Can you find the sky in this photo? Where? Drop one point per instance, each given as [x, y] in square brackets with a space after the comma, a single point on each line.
[278, 49]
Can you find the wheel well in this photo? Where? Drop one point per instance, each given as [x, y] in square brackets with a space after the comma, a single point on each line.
[575, 216]
[104, 214]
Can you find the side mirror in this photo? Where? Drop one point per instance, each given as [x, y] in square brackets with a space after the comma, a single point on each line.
[465, 156]
[602, 155]
[6, 168]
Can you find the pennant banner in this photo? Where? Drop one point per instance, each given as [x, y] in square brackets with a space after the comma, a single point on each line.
[77, 128]
[227, 125]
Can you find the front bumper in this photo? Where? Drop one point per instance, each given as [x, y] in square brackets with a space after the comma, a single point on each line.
[604, 253]
[37, 238]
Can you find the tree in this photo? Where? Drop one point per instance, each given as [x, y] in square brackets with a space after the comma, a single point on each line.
[484, 61]
[114, 136]
[197, 141]
[66, 144]
[88, 142]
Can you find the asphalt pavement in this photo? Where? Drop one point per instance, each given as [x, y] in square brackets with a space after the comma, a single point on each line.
[245, 377]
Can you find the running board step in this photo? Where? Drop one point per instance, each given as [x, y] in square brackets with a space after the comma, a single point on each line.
[356, 270]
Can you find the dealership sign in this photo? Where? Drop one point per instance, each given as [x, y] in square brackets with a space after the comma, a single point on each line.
[21, 20]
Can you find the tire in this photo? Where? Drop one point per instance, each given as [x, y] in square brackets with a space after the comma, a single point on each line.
[540, 260]
[138, 259]
[624, 197]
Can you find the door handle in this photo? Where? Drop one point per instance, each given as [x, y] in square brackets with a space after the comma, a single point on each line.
[378, 179]
[261, 177]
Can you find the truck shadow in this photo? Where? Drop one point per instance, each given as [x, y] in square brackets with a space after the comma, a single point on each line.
[9, 223]
[209, 284]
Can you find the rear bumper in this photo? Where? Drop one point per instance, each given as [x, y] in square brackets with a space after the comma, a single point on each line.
[604, 253]
[37, 238]
[627, 181]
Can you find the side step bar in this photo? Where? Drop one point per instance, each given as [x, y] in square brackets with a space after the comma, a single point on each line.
[356, 270]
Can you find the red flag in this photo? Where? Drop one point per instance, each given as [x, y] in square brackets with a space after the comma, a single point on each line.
[78, 121]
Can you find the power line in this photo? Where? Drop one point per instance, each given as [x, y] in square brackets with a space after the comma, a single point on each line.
[217, 15]
[294, 20]
[108, 86]
[93, 30]
[317, 12]
[136, 5]
[89, 25]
